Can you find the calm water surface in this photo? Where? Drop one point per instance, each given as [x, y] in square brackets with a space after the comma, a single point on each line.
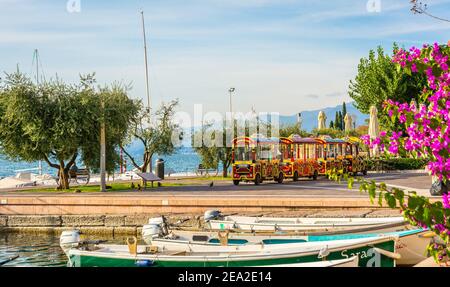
[36, 250]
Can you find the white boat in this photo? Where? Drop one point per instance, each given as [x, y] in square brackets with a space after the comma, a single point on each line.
[299, 224]
[372, 252]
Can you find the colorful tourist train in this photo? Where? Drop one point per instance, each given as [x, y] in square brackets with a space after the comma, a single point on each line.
[257, 158]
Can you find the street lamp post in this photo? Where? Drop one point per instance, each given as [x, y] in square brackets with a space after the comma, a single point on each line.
[102, 150]
[231, 91]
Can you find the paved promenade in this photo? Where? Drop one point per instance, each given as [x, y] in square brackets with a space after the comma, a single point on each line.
[195, 198]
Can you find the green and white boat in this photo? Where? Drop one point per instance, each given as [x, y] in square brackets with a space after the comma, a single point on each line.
[349, 262]
[371, 252]
[411, 245]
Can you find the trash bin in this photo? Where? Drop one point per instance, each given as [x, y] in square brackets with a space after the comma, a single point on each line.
[160, 168]
[438, 187]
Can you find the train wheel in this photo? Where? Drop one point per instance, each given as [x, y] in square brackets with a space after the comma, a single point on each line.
[280, 178]
[295, 178]
[364, 172]
[236, 182]
[257, 179]
[315, 175]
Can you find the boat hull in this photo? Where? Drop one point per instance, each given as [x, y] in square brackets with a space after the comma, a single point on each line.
[411, 245]
[351, 262]
[367, 255]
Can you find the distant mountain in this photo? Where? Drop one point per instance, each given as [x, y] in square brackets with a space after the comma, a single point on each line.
[310, 117]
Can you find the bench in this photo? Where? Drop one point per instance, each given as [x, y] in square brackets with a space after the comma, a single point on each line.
[148, 176]
[202, 171]
[82, 174]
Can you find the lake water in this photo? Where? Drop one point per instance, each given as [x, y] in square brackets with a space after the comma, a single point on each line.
[33, 250]
[36, 250]
[184, 160]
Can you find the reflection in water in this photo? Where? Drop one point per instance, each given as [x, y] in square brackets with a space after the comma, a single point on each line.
[35, 250]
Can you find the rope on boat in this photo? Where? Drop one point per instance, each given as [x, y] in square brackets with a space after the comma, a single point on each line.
[389, 254]
[8, 260]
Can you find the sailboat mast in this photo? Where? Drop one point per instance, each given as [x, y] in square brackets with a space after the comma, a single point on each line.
[147, 83]
[37, 65]
[36, 56]
[146, 64]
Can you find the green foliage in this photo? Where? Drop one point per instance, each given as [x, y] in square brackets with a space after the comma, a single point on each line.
[334, 133]
[55, 122]
[215, 147]
[337, 124]
[287, 130]
[331, 125]
[344, 109]
[155, 133]
[396, 164]
[119, 110]
[211, 155]
[418, 210]
[379, 79]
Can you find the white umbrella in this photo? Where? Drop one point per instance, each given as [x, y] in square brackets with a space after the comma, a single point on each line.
[322, 120]
[348, 122]
[374, 129]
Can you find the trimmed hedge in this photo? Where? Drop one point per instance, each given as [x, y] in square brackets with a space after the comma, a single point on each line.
[396, 164]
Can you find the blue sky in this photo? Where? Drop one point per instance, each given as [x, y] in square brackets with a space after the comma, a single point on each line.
[281, 55]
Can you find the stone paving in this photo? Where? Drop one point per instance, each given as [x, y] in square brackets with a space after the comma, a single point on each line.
[199, 196]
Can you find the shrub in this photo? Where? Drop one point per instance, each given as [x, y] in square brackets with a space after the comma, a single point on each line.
[396, 164]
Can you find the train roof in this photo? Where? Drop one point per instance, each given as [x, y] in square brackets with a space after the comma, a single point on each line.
[328, 139]
[256, 140]
[353, 140]
[298, 139]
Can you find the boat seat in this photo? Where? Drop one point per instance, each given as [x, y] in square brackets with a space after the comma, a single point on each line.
[202, 238]
[176, 253]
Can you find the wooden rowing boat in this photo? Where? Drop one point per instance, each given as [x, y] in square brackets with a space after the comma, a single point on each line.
[411, 245]
[276, 224]
[372, 251]
[350, 262]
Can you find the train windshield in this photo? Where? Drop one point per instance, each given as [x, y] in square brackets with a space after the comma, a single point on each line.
[242, 153]
[349, 150]
[286, 151]
[265, 152]
[310, 151]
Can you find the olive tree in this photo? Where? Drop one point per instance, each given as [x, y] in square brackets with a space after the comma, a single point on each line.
[215, 147]
[56, 122]
[153, 132]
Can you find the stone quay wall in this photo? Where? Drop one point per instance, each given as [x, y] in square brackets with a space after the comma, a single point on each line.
[116, 225]
[108, 225]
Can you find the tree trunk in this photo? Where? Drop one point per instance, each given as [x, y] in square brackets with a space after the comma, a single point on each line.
[146, 162]
[63, 178]
[225, 169]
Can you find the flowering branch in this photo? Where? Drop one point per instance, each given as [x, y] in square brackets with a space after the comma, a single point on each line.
[418, 210]
[425, 134]
[420, 8]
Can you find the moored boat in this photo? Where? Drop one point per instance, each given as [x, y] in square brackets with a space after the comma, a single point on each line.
[350, 262]
[378, 251]
[411, 244]
[274, 224]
